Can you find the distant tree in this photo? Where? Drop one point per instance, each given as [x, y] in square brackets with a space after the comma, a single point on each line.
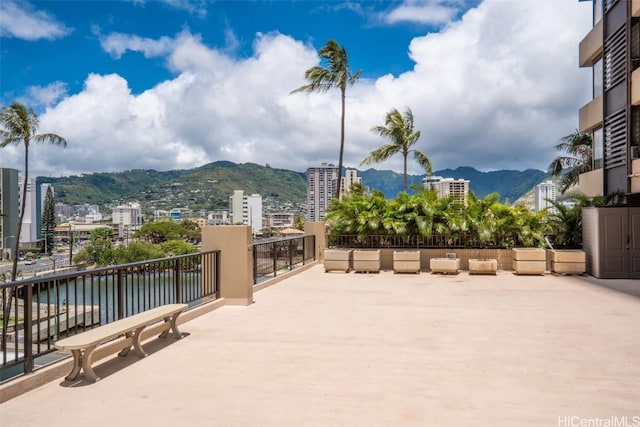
[48, 221]
[161, 231]
[298, 222]
[177, 247]
[99, 249]
[579, 147]
[137, 251]
[400, 130]
[337, 74]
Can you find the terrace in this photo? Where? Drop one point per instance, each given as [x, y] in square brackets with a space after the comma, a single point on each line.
[376, 349]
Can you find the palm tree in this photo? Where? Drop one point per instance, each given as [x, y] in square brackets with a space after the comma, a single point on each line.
[337, 74]
[579, 148]
[20, 125]
[399, 129]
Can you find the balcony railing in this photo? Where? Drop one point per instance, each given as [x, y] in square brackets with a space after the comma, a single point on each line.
[47, 308]
[416, 242]
[281, 254]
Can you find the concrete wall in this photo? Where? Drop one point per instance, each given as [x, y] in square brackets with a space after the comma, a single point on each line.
[317, 228]
[236, 260]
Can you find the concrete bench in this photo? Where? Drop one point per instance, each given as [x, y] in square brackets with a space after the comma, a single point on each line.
[84, 344]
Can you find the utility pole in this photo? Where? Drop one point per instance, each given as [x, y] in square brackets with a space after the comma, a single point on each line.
[70, 246]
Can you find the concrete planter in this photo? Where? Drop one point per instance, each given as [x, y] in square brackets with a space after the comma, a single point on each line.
[483, 266]
[570, 261]
[529, 260]
[366, 260]
[406, 261]
[445, 265]
[337, 260]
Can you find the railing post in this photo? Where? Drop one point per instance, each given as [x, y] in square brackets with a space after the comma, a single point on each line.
[120, 296]
[255, 263]
[291, 242]
[177, 280]
[275, 258]
[28, 329]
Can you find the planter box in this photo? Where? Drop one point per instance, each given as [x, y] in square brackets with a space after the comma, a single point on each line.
[529, 260]
[337, 260]
[366, 260]
[568, 261]
[406, 261]
[483, 266]
[445, 265]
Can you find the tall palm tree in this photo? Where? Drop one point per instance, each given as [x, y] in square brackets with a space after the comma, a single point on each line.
[579, 148]
[399, 129]
[337, 74]
[20, 125]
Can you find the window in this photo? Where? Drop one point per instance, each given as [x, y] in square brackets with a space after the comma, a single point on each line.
[598, 144]
[597, 78]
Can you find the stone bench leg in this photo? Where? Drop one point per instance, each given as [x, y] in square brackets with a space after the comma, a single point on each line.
[174, 327]
[135, 337]
[82, 362]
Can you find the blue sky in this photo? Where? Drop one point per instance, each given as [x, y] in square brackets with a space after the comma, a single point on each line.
[179, 83]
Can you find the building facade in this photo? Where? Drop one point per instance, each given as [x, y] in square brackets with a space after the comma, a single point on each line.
[544, 192]
[350, 178]
[127, 219]
[457, 189]
[9, 209]
[30, 224]
[321, 188]
[246, 210]
[612, 50]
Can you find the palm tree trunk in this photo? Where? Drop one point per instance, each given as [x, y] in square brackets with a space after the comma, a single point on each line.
[341, 144]
[404, 177]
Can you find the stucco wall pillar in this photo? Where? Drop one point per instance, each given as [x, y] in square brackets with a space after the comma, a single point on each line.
[236, 260]
[317, 228]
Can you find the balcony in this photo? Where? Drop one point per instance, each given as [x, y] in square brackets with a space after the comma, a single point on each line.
[635, 87]
[590, 115]
[591, 46]
[355, 349]
[592, 183]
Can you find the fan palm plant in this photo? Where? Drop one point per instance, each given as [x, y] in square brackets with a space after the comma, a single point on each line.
[337, 74]
[578, 160]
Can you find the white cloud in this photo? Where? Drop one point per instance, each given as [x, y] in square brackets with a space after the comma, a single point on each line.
[494, 90]
[432, 12]
[116, 44]
[47, 95]
[21, 20]
[194, 7]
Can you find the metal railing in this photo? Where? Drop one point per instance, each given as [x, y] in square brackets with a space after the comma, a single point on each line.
[281, 254]
[417, 242]
[37, 312]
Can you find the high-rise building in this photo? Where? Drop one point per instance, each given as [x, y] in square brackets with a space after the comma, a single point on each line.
[246, 210]
[321, 187]
[350, 177]
[457, 189]
[127, 218]
[544, 192]
[30, 224]
[9, 209]
[612, 50]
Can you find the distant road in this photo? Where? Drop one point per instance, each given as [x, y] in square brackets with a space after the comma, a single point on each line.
[41, 265]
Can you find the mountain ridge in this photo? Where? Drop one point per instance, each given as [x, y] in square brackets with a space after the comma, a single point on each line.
[209, 186]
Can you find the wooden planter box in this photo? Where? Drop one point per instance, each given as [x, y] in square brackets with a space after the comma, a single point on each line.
[569, 261]
[445, 265]
[406, 261]
[529, 260]
[483, 266]
[337, 260]
[366, 260]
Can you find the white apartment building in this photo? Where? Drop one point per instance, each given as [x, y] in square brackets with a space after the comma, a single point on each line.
[544, 192]
[458, 189]
[218, 217]
[350, 177]
[30, 224]
[127, 218]
[280, 220]
[246, 210]
[321, 186]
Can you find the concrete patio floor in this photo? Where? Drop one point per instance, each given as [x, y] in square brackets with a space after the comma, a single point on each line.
[334, 349]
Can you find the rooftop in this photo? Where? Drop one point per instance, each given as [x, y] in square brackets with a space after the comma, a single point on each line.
[322, 349]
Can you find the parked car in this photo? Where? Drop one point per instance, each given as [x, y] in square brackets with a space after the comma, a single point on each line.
[30, 262]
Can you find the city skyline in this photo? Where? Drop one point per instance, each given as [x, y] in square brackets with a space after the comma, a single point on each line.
[174, 85]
